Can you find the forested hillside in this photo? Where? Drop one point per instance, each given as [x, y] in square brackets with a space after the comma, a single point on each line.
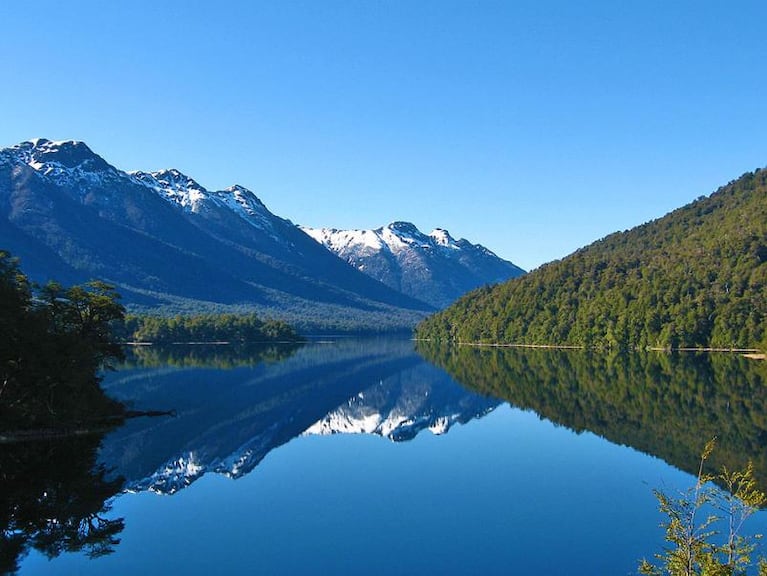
[694, 278]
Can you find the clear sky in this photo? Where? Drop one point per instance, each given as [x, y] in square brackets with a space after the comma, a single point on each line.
[533, 128]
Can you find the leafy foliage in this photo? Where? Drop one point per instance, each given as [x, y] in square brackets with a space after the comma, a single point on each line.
[698, 546]
[694, 278]
[54, 342]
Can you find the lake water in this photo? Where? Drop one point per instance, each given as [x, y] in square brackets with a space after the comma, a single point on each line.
[367, 456]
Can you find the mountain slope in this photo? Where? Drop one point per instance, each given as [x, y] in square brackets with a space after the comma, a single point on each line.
[696, 277]
[164, 240]
[434, 268]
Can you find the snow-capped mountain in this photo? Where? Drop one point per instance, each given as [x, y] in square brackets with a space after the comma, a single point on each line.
[434, 268]
[181, 190]
[164, 239]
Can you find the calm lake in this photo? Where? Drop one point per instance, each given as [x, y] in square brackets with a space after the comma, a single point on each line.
[371, 456]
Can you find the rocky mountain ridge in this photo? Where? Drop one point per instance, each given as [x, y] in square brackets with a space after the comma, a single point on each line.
[434, 267]
[169, 244]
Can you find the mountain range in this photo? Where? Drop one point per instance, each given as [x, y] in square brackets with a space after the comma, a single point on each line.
[170, 245]
[434, 268]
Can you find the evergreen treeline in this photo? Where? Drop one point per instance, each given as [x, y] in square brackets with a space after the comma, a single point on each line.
[694, 278]
[205, 328]
[53, 342]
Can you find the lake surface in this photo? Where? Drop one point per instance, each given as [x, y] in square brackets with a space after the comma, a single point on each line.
[369, 456]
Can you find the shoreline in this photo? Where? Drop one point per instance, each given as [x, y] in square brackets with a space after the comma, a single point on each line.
[97, 426]
[751, 353]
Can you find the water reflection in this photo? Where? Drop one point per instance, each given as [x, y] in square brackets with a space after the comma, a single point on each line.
[228, 420]
[234, 406]
[664, 405]
[223, 357]
[54, 499]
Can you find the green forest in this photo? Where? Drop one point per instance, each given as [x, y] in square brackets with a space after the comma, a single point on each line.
[205, 328]
[693, 278]
[54, 341]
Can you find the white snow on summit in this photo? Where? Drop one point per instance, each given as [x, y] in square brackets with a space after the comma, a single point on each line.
[338, 240]
[435, 268]
[393, 238]
[443, 238]
[175, 187]
[71, 164]
[65, 162]
[181, 190]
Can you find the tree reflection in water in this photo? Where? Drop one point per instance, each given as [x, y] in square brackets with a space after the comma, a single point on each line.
[54, 499]
[666, 405]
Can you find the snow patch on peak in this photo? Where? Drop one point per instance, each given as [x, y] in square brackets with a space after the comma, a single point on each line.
[55, 145]
[395, 242]
[343, 240]
[443, 238]
[175, 187]
[243, 198]
[65, 162]
[404, 228]
[178, 182]
[242, 191]
[435, 268]
[407, 231]
[181, 190]
[395, 238]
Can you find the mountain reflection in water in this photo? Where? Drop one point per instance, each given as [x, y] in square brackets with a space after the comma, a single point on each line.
[234, 405]
[227, 420]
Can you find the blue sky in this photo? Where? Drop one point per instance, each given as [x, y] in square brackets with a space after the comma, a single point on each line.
[533, 128]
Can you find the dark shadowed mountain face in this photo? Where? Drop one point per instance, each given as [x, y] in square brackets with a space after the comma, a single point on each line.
[164, 240]
[434, 268]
